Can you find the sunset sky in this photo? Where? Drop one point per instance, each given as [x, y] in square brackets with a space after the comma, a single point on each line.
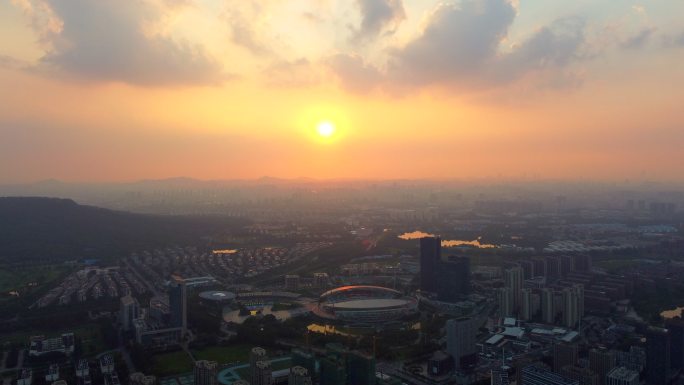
[114, 90]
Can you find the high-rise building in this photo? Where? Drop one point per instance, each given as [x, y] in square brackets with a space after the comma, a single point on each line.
[430, 256]
[536, 375]
[500, 376]
[505, 300]
[539, 267]
[535, 304]
[553, 267]
[25, 377]
[564, 355]
[582, 263]
[333, 370]
[622, 376]
[139, 378]
[514, 280]
[291, 282]
[452, 278]
[570, 307]
[676, 328]
[602, 361]
[263, 374]
[320, 280]
[82, 368]
[205, 372]
[298, 376]
[257, 354]
[584, 376]
[440, 363]
[527, 268]
[304, 359]
[360, 369]
[448, 279]
[547, 306]
[129, 310]
[579, 289]
[566, 265]
[178, 306]
[558, 304]
[525, 313]
[634, 359]
[657, 355]
[461, 337]
[52, 374]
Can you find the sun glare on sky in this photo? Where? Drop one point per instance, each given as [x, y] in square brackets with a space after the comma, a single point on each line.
[325, 129]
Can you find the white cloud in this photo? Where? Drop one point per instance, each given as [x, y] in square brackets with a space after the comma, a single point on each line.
[378, 16]
[105, 40]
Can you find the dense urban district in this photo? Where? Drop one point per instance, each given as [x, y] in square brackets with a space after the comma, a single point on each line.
[377, 285]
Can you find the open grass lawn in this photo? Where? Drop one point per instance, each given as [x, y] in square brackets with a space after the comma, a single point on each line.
[168, 364]
[223, 354]
[614, 265]
[20, 277]
[91, 339]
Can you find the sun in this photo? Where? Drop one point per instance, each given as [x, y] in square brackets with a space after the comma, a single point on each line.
[325, 129]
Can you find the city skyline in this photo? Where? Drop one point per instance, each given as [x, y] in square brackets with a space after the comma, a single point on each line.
[100, 91]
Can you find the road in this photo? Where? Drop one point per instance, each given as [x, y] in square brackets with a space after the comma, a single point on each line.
[393, 370]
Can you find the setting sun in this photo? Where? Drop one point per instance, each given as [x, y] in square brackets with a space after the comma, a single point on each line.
[325, 129]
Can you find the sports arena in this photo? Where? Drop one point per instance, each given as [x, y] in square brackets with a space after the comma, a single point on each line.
[365, 304]
[217, 296]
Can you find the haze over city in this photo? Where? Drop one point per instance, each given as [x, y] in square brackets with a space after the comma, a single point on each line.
[341, 192]
[122, 91]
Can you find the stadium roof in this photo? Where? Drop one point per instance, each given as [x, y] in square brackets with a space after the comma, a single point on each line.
[359, 287]
[369, 304]
[217, 295]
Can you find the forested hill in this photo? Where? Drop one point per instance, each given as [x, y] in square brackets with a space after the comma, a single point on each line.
[48, 229]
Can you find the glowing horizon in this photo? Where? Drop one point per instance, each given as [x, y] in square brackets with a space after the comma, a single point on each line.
[467, 89]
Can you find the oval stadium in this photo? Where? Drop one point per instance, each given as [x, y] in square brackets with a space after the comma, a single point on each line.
[365, 304]
[217, 296]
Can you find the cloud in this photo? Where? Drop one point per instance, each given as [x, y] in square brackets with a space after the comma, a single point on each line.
[674, 41]
[640, 39]
[378, 16]
[105, 40]
[243, 23]
[295, 73]
[355, 74]
[466, 45]
[458, 42]
[638, 9]
[10, 62]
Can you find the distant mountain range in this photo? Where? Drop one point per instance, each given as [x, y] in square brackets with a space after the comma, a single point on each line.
[50, 229]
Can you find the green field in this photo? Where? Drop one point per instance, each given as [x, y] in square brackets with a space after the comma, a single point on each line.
[168, 364]
[223, 354]
[616, 265]
[19, 278]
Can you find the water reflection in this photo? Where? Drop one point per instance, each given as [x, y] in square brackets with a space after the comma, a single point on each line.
[330, 329]
[475, 243]
[668, 314]
[355, 331]
[448, 242]
[415, 235]
[225, 251]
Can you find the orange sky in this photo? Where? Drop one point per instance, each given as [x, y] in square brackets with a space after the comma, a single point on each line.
[98, 91]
